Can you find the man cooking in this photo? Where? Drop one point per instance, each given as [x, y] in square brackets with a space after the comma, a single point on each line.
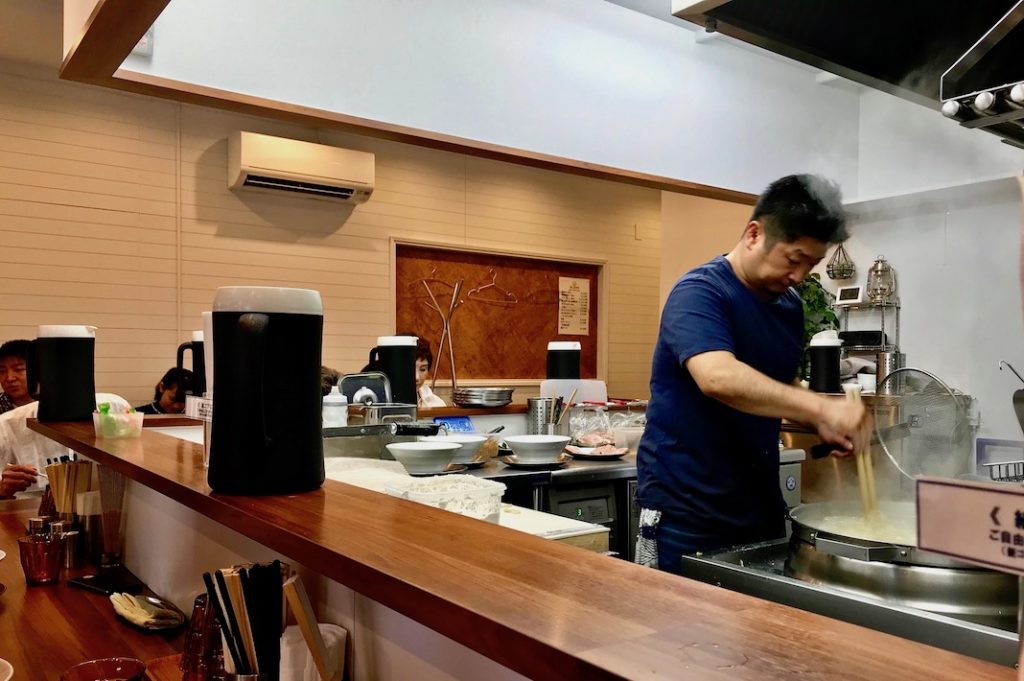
[723, 375]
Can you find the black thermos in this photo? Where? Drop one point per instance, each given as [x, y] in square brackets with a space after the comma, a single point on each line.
[825, 365]
[198, 362]
[395, 356]
[61, 372]
[266, 436]
[564, 359]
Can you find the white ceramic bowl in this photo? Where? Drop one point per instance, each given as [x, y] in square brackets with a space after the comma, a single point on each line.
[424, 458]
[537, 448]
[470, 445]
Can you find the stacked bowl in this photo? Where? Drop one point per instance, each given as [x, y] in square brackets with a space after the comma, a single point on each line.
[482, 397]
[537, 449]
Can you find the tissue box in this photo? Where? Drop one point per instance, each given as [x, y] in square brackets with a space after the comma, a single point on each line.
[118, 425]
[463, 494]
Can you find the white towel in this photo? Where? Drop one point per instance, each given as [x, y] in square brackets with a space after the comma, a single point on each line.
[296, 660]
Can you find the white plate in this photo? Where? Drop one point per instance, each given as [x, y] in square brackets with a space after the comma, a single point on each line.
[3, 554]
[6, 670]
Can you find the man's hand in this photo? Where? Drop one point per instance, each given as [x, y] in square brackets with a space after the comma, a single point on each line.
[16, 478]
[844, 424]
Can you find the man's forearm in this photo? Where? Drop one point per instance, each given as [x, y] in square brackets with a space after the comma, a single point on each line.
[742, 387]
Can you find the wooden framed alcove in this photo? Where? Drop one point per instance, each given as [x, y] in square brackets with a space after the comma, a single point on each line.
[494, 336]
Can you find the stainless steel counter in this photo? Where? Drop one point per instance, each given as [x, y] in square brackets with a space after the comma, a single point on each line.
[572, 472]
[757, 570]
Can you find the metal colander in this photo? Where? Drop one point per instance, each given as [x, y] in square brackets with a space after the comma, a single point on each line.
[923, 426]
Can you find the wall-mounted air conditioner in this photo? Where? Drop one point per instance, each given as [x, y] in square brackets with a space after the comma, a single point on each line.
[275, 164]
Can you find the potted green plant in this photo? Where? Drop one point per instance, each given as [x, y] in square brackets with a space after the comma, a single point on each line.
[819, 315]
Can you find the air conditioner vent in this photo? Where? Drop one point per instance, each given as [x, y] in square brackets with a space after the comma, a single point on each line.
[263, 163]
[324, 190]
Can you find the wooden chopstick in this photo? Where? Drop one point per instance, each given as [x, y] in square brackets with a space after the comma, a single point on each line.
[218, 608]
[567, 407]
[865, 468]
[233, 580]
[232, 624]
[303, 611]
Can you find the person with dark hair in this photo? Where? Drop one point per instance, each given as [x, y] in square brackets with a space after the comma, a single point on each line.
[169, 394]
[13, 381]
[425, 397]
[328, 379]
[723, 376]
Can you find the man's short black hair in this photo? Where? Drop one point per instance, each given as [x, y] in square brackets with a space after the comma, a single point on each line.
[14, 348]
[802, 206]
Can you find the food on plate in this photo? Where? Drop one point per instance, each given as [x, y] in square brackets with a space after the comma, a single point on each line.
[488, 450]
[603, 450]
[593, 439]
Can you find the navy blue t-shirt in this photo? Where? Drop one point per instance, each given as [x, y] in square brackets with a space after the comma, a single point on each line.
[711, 469]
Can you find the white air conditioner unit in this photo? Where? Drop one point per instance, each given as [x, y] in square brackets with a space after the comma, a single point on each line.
[275, 164]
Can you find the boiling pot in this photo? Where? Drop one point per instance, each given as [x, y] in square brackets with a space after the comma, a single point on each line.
[828, 547]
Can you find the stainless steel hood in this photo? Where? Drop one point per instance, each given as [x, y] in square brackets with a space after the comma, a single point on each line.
[899, 46]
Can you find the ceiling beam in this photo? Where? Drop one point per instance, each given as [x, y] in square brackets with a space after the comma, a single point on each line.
[110, 34]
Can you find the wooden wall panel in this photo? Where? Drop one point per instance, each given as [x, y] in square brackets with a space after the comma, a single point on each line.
[506, 315]
[108, 197]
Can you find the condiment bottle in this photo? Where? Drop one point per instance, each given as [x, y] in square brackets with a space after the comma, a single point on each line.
[335, 409]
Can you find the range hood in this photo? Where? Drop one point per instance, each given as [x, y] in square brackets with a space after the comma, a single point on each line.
[964, 56]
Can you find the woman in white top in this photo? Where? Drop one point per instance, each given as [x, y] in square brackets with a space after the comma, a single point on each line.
[425, 397]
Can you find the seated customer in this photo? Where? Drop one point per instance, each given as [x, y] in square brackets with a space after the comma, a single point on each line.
[328, 379]
[425, 397]
[23, 452]
[169, 396]
[13, 355]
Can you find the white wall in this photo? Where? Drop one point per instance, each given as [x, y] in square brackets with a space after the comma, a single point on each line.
[955, 254]
[587, 80]
[905, 147]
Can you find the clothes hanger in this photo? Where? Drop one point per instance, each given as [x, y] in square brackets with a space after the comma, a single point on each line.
[428, 280]
[505, 298]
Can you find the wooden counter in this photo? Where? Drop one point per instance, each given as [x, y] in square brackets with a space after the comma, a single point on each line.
[46, 629]
[542, 609]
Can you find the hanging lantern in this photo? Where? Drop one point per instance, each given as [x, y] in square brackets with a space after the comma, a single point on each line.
[881, 282]
[839, 265]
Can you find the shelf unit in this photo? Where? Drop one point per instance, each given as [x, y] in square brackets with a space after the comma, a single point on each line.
[890, 309]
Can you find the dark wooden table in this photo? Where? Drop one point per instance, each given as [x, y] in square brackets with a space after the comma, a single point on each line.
[46, 629]
[546, 610]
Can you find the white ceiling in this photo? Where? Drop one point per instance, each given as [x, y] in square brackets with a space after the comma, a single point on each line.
[31, 31]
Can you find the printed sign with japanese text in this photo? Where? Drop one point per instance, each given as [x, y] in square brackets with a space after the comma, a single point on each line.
[573, 306]
[979, 522]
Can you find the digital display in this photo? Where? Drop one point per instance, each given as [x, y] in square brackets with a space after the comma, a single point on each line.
[849, 294]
